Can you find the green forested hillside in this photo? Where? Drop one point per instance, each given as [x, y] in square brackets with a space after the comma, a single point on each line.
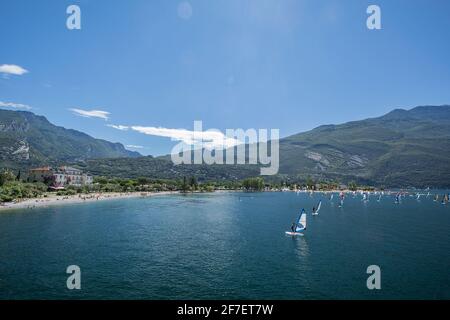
[403, 148]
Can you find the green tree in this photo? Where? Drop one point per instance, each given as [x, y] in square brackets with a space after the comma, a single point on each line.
[253, 184]
[184, 185]
[310, 183]
[143, 181]
[193, 183]
[352, 186]
[6, 176]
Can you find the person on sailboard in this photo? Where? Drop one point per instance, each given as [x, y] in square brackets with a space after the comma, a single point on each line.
[293, 226]
[314, 210]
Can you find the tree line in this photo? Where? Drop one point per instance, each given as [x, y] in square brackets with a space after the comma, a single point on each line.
[15, 187]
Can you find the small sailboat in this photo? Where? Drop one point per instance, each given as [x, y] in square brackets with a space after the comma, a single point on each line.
[341, 196]
[331, 197]
[436, 198]
[397, 198]
[379, 198]
[315, 211]
[445, 199]
[365, 197]
[300, 226]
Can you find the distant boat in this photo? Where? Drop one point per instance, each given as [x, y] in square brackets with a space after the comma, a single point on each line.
[315, 212]
[365, 197]
[300, 226]
[341, 196]
[436, 198]
[397, 198]
[331, 197]
[379, 198]
[445, 199]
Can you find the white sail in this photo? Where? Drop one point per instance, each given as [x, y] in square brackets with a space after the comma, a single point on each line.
[318, 206]
[301, 224]
[316, 210]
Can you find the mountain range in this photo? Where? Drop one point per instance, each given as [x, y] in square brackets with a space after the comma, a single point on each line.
[29, 140]
[400, 149]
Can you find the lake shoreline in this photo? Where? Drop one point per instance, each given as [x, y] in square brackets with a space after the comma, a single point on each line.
[53, 200]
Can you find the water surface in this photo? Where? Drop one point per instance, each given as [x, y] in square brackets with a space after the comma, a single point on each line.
[227, 246]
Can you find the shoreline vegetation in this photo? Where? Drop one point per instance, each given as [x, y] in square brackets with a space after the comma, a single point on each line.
[18, 193]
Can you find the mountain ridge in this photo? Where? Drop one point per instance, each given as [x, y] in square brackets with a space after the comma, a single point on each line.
[400, 148]
[28, 139]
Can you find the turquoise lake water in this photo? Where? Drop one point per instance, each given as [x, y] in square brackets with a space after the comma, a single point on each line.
[227, 246]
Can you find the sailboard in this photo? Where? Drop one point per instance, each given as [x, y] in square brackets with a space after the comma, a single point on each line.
[300, 226]
[316, 211]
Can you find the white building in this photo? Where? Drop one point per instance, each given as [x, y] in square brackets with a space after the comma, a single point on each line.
[61, 177]
[72, 177]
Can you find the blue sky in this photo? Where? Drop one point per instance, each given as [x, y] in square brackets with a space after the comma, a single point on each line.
[287, 64]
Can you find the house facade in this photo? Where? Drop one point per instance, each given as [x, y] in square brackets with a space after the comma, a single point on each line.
[60, 177]
[44, 174]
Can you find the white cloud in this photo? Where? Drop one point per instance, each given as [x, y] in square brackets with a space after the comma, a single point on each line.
[118, 127]
[132, 146]
[12, 69]
[14, 105]
[211, 139]
[91, 113]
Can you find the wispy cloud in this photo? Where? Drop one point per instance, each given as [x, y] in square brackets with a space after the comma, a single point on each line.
[12, 69]
[91, 113]
[211, 139]
[132, 146]
[118, 127]
[14, 105]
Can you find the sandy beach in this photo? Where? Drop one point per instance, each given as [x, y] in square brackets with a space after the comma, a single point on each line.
[53, 199]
